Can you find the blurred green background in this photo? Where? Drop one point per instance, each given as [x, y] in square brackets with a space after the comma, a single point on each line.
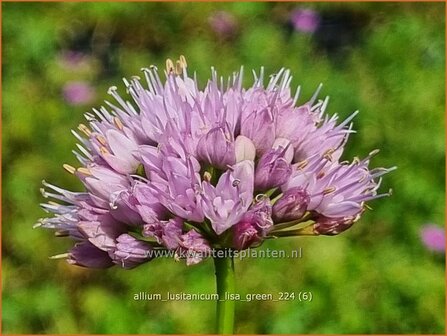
[387, 60]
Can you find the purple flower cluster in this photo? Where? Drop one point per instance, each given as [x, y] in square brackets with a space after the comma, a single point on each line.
[190, 170]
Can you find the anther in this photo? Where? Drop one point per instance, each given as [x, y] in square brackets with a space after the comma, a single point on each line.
[321, 174]
[84, 129]
[84, 171]
[60, 256]
[178, 68]
[329, 190]
[367, 206]
[169, 66]
[302, 164]
[183, 61]
[69, 168]
[328, 154]
[104, 151]
[118, 123]
[207, 176]
[374, 152]
[112, 90]
[61, 233]
[102, 140]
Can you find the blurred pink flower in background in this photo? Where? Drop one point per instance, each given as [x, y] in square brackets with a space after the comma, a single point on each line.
[78, 93]
[433, 237]
[305, 20]
[223, 23]
[72, 60]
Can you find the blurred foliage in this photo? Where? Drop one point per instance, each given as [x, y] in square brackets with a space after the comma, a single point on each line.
[387, 60]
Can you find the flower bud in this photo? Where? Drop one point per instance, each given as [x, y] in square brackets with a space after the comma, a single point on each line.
[245, 235]
[216, 148]
[291, 206]
[272, 170]
[130, 252]
[254, 225]
[260, 128]
[195, 246]
[244, 148]
[333, 226]
[88, 255]
[282, 143]
[165, 232]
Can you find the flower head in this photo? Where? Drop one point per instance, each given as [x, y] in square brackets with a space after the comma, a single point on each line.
[188, 169]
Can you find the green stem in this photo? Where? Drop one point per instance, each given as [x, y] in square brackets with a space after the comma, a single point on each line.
[305, 231]
[304, 221]
[225, 285]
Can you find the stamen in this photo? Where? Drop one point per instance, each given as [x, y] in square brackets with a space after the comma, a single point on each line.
[183, 61]
[169, 66]
[104, 151]
[84, 171]
[84, 129]
[101, 139]
[39, 224]
[366, 206]
[60, 256]
[328, 154]
[62, 233]
[118, 123]
[329, 190]
[207, 176]
[112, 90]
[77, 136]
[85, 152]
[114, 197]
[297, 95]
[315, 95]
[89, 117]
[321, 174]
[69, 168]
[260, 197]
[178, 68]
[374, 152]
[301, 165]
